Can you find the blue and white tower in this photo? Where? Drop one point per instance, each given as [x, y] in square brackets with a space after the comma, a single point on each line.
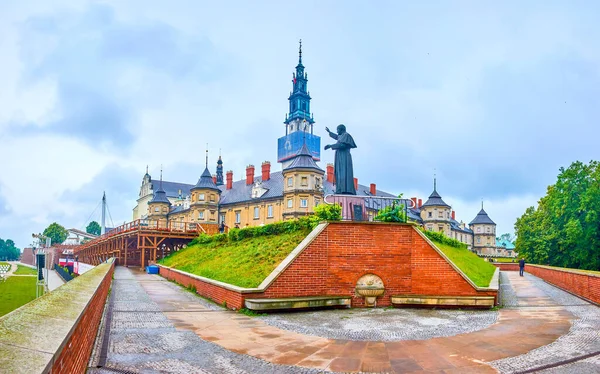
[299, 122]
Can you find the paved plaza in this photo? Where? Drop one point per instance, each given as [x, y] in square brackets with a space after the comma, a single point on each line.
[155, 326]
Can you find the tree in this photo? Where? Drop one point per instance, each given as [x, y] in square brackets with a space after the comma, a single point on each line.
[93, 228]
[564, 230]
[56, 232]
[8, 251]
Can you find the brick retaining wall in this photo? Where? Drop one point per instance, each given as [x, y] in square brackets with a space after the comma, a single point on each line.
[56, 332]
[507, 266]
[581, 284]
[334, 260]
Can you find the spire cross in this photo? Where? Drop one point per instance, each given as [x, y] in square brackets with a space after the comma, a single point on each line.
[206, 154]
[161, 177]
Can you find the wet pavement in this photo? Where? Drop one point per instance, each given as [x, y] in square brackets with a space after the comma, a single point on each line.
[158, 326]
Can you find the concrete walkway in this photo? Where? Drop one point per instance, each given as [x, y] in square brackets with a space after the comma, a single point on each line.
[534, 320]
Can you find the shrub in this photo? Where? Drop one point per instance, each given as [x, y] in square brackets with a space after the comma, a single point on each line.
[441, 238]
[393, 213]
[329, 212]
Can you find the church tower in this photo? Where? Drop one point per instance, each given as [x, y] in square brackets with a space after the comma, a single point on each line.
[299, 122]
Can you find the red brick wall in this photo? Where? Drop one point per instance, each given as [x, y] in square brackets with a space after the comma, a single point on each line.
[344, 252]
[75, 354]
[583, 285]
[507, 266]
[27, 257]
[213, 292]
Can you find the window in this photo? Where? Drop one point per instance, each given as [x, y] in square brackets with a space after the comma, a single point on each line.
[448, 215]
[290, 203]
[317, 182]
[478, 240]
[441, 228]
[290, 182]
[487, 229]
[317, 202]
[201, 197]
[478, 230]
[429, 227]
[270, 211]
[212, 198]
[304, 181]
[303, 203]
[256, 212]
[429, 214]
[237, 217]
[440, 214]
[222, 218]
[156, 209]
[201, 215]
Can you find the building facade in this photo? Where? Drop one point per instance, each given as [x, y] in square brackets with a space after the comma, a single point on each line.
[293, 191]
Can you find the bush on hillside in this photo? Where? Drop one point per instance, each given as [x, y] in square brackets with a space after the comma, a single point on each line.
[329, 212]
[441, 238]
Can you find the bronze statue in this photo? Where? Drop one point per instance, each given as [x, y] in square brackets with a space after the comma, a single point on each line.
[344, 175]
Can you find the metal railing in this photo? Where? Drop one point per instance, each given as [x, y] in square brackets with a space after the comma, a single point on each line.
[365, 208]
[146, 225]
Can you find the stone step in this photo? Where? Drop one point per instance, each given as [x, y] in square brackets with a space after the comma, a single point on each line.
[298, 302]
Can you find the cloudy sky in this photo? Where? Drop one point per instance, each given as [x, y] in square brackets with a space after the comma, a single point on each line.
[494, 97]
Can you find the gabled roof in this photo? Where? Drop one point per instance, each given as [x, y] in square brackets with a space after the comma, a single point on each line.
[206, 182]
[303, 160]
[482, 218]
[456, 226]
[505, 244]
[172, 188]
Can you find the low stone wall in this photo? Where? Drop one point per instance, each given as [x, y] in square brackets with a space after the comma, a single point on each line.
[585, 285]
[335, 256]
[56, 332]
[507, 266]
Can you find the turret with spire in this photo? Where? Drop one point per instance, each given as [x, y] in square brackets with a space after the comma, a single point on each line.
[205, 197]
[435, 213]
[484, 233]
[219, 171]
[159, 206]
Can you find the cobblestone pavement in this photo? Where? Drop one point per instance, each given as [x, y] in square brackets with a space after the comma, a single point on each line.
[159, 327]
[583, 336]
[383, 324]
[143, 340]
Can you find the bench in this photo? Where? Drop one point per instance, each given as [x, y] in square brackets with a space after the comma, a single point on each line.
[448, 301]
[298, 302]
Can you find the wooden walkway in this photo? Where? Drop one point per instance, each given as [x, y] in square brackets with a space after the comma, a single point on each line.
[141, 242]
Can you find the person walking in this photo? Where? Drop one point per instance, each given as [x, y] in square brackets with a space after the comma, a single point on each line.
[521, 266]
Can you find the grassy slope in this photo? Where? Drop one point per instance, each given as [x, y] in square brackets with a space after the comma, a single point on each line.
[24, 270]
[245, 263]
[16, 291]
[477, 269]
[506, 259]
[4, 263]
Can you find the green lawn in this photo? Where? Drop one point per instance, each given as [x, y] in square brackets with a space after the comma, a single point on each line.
[506, 259]
[16, 291]
[244, 263]
[4, 263]
[24, 270]
[476, 268]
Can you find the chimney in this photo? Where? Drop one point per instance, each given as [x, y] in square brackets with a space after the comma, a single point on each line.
[373, 189]
[330, 173]
[249, 174]
[414, 200]
[454, 215]
[356, 183]
[229, 177]
[420, 203]
[266, 170]
[215, 179]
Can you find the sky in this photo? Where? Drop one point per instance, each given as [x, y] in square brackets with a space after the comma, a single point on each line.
[491, 97]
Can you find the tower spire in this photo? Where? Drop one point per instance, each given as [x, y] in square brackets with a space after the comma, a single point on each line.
[434, 180]
[300, 53]
[161, 177]
[207, 155]
[146, 169]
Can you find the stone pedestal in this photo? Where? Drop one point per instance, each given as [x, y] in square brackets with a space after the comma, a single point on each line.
[353, 207]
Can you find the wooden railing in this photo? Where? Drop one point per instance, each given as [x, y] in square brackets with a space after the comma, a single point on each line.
[146, 225]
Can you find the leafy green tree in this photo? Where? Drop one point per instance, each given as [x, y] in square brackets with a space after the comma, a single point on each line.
[506, 237]
[564, 230]
[329, 212]
[93, 228]
[8, 250]
[56, 232]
